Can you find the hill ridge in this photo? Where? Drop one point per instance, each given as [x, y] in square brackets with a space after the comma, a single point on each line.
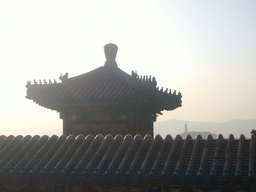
[235, 127]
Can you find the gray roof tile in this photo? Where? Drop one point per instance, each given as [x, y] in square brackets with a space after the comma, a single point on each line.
[132, 159]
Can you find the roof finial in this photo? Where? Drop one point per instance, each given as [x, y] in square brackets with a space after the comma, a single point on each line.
[110, 54]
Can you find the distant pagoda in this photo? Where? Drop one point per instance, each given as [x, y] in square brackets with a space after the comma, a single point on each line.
[106, 100]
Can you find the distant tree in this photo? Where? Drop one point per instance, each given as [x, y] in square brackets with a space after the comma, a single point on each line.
[253, 132]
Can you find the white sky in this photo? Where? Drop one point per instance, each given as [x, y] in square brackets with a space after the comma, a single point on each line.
[203, 49]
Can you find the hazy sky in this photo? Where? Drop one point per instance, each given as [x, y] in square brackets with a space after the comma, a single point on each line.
[204, 49]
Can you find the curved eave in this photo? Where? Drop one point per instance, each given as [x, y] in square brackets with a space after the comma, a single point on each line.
[58, 103]
[99, 87]
[168, 101]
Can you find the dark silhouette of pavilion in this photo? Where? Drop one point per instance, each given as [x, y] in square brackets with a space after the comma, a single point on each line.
[106, 100]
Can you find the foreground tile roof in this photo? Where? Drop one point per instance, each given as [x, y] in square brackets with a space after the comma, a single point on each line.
[129, 159]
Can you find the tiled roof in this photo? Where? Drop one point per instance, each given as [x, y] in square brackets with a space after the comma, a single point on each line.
[129, 159]
[106, 85]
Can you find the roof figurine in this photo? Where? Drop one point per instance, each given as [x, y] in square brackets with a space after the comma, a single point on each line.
[106, 99]
[63, 78]
[110, 54]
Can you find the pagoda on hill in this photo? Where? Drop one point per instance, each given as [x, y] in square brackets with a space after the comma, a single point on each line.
[106, 100]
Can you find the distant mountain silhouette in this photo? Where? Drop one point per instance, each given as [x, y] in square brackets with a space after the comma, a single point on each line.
[193, 134]
[235, 127]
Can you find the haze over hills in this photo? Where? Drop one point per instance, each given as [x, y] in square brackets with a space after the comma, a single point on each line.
[235, 127]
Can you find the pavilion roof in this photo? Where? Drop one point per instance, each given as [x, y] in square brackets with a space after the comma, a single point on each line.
[106, 85]
[129, 159]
